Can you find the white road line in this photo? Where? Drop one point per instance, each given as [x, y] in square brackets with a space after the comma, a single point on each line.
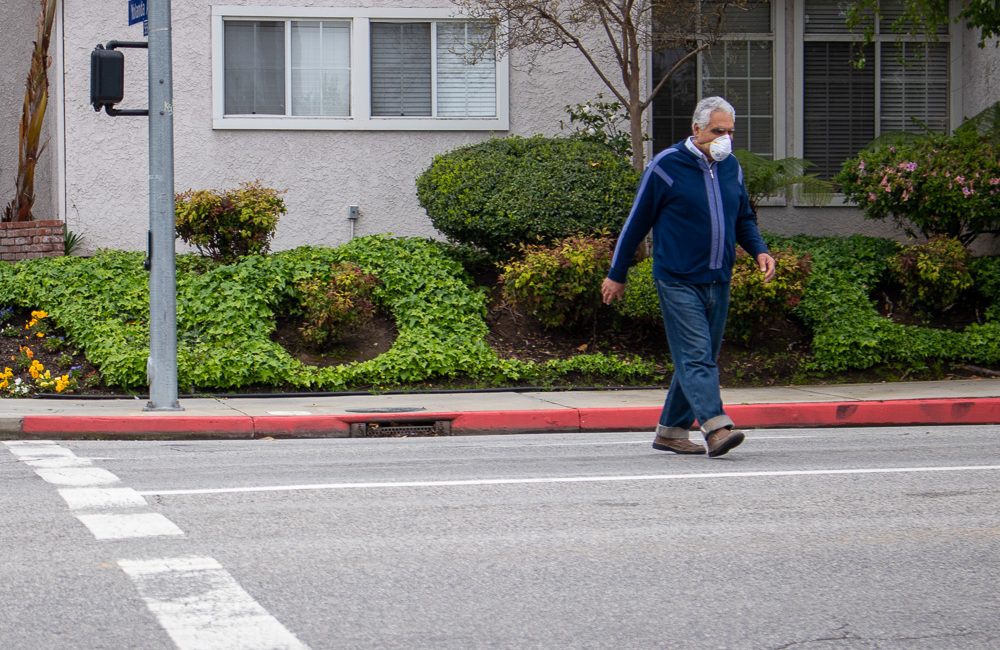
[60, 461]
[126, 526]
[77, 476]
[644, 441]
[202, 607]
[570, 479]
[88, 498]
[33, 452]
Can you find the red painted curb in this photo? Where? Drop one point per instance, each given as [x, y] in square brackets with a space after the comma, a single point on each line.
[559, 420]
[984, 410]
[300, 426]
[494, 422]
[223, 426]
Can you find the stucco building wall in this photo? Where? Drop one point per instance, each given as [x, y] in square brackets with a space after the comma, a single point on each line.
[106, 166]
[323, 171]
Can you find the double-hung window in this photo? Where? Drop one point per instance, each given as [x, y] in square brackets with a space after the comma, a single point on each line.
[739, 67]
[387, 69]
[902, 86]
[318, 72]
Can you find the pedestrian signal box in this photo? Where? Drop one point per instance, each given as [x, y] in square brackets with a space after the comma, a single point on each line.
[107, 78]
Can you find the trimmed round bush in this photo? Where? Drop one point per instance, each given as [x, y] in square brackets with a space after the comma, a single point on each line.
[499, 194]
[227, 225]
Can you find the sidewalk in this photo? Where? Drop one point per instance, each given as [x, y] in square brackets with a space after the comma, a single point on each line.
[974, 401]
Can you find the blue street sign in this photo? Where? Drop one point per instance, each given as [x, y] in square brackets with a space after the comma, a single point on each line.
[136, 11]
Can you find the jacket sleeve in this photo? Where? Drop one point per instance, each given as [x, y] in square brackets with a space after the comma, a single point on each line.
[747, 234]
[637, 226]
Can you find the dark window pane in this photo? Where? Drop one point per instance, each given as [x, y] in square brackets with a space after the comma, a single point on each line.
[401, 69]
[674, 105]
[254, 63]
[838, 105]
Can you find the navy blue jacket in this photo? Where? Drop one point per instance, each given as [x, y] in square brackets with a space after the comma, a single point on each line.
[697, 211]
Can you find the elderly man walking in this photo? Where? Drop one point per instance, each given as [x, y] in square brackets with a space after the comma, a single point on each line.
[692, 196]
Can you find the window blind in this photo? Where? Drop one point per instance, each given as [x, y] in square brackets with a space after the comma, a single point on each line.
[254, 67]
[914, 87]
[466, 76]
[321, 68]
[401, 69]
[838, 105]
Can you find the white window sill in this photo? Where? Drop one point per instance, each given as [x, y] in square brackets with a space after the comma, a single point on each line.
[360, 124]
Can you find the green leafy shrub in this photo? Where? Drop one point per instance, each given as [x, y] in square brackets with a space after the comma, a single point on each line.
[605, 123]
[231, 224]
[227, 313]
[934, 185]
[640, 301]
[933, 275]
[505, 192]
[766, 178]
[986, 279]
[753, 304]
[558, 284]
[335, 305]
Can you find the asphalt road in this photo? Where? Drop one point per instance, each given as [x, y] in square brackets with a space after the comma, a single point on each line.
[812, 539]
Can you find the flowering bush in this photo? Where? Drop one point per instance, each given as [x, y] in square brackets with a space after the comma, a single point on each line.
[42, 379]
[602, 122]
[936, 185]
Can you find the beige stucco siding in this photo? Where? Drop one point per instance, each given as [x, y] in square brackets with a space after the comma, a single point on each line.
[323, 171]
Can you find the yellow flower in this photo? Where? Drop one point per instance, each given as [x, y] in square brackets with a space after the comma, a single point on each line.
[40, 335]
[39, 314]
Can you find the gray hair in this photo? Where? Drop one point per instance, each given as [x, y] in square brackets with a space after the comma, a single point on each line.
[703, 111]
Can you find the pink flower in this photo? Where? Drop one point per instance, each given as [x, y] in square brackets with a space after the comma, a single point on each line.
[960, 179]
[995, 181]
[861, 166]
[967, 191]
[872, 197]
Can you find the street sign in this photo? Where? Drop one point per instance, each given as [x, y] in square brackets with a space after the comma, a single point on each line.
[137, 14]
[136, 11]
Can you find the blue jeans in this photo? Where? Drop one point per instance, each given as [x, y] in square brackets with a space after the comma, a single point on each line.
[694, 316]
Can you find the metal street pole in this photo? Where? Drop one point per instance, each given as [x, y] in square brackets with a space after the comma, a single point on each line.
[162, 364]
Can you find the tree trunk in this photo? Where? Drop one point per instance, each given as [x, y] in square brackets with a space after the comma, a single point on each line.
[36, 96]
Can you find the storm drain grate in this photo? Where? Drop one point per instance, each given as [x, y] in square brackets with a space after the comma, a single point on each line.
[401, 429]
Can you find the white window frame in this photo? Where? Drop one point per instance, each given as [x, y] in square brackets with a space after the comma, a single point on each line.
[777, 40]
[360, 118]
[778, 72]
[953, 38]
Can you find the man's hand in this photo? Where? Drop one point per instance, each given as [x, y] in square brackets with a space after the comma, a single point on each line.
[611, 290]
[766, 265]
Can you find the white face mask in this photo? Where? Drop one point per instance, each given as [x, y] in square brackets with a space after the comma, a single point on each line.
[721, 147]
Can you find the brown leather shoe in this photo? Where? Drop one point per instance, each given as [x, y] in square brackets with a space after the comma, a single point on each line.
[677, 445]
[722, 440]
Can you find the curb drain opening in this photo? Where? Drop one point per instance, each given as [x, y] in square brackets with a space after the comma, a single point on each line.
[401, 429]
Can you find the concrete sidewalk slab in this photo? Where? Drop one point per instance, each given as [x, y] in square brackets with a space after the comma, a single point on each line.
[490, 412]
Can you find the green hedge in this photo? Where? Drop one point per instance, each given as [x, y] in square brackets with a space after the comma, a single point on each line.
[505, 192]
[226, 314]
